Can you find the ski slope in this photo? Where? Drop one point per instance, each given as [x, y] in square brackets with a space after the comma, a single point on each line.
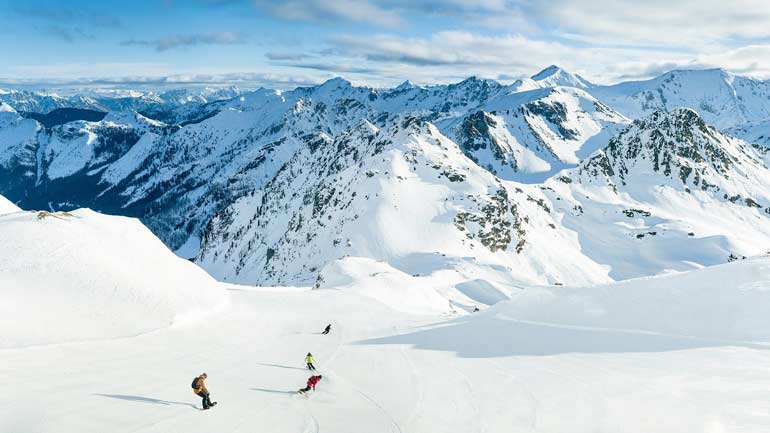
[681, 353]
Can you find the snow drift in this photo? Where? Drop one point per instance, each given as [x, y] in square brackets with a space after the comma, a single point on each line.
[435, 290]
[720, 306]
[84, 275]
[725, 302]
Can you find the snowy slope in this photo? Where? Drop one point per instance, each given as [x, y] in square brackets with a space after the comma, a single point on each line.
[679, 354]
[402, 194]
[720, 303]
[755, 133]
[6, 206]
[528, 136]
[16, 135]
[723, 99]
[668, 193]
[83, 276]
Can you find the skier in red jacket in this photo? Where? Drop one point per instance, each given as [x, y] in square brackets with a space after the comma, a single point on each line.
[311, 383]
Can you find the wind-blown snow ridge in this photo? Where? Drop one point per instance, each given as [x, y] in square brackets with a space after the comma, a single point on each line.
[90, 276]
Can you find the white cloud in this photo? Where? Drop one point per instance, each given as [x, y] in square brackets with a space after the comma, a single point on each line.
[753, 60]
[439, 41]
[177, 41]
[327, 11]
[687, 24]
[450, 54]
[281, 80]
[449, 48]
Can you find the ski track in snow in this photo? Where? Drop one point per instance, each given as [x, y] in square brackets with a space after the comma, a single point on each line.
[419, 389]
[382, 409]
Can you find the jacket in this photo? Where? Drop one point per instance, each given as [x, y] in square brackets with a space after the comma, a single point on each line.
[313, 381]
[309, 359]
[201, 386]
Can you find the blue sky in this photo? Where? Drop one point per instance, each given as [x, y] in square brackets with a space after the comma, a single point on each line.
[373, 42]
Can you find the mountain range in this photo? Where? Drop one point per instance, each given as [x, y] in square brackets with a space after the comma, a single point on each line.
[549, 180]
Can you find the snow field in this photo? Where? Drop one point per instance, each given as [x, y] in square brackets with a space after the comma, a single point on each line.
[84, 275]
[626, 357]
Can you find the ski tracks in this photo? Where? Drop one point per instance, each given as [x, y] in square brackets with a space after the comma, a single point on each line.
[381, 409]
[419, 387]
[395, 427]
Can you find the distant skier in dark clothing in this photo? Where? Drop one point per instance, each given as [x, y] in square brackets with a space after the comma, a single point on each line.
[311, 383]
[199, 388]
[328, 328]
[309, 361]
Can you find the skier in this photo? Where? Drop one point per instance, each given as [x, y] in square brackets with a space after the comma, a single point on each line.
[199, 388]
[328, 328]
[309, 361]
[311, 383]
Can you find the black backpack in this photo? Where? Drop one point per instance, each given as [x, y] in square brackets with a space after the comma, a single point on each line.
[195, 383]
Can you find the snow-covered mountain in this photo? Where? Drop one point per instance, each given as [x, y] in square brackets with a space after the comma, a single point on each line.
[723, 99]
[44, 102]
[276, 184]
[407, 191]
[172, 106]
[755, 133]
[551, 76]
[668, 193]
[530, 135]
[401, 193]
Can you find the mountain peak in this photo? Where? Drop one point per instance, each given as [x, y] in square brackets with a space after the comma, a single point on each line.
[5, 108]
[335, 82]
[474, 80]
[406, 85]
[365, 127]
[547, 72]
[556, 76]
[676, 144]
[679, 119]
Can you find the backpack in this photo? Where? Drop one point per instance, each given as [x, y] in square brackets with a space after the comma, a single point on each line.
[195, 383]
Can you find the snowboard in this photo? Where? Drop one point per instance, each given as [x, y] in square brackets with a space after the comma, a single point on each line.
[213, 403]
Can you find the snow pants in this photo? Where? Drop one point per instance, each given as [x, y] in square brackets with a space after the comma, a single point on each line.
[206, 401]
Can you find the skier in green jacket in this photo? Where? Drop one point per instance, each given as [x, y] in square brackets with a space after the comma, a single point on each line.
[309, 361]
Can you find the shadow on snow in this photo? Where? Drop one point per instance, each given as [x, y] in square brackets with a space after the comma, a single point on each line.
[281, 366]
[499, 336]
[145, 400]
[273, 391]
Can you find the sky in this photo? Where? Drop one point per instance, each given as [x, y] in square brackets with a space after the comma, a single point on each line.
[253, 43]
